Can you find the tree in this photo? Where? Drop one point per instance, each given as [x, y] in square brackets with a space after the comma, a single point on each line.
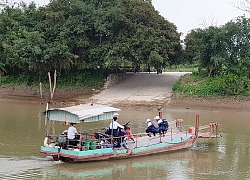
[221, 50]
[70, 35]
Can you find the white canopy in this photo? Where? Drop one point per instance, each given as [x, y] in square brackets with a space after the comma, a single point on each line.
[82, 112]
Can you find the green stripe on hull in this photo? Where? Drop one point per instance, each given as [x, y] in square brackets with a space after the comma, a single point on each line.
[49, 149]
[88, 152]
[151, 147]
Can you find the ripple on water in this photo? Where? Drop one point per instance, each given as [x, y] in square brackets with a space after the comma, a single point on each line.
[23, 168]
[205, 145]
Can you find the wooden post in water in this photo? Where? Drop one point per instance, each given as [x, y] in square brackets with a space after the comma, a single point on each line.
[217, 130]
[41, 92]
[212, 127]
[197, 125]
[160, 114]
[46, 120]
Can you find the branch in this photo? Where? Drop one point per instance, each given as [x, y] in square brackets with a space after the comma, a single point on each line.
[242, 5]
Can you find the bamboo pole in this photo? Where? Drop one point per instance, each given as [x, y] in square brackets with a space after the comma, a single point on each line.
[50, 85]
[54, 85]
[197, 125]
[46, 120]
[51, 96]
[41, 92]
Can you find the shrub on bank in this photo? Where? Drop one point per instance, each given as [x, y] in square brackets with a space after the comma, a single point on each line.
[64, 82]
[196, 85]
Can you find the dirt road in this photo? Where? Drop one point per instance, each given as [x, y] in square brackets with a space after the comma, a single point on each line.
[140, 88]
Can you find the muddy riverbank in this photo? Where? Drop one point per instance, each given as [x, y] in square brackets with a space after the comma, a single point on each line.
[144, 91]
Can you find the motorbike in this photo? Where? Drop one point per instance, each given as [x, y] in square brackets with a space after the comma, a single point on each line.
[159, 71]
[102, 140]
[106, 139]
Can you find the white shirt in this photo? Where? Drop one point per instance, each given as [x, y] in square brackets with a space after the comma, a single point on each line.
[149, 123]
[115, 125]
[71, 132]
[160, 121]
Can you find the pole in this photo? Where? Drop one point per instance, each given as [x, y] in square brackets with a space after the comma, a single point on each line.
[160, 114]
[197, 125]
[41, 92]
[50, 86]
[46, 120]
[112, 138]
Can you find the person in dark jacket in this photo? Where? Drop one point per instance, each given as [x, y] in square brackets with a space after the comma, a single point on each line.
[163, 125]
[151, 128]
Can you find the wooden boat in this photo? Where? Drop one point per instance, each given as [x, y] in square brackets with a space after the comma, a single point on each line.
[91, 149]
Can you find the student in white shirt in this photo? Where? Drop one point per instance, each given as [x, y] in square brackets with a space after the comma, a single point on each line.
[114, 129]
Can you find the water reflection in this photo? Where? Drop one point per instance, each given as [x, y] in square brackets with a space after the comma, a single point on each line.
[22, 134]
[177, 165]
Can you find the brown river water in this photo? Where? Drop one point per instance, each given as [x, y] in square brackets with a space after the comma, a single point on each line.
[227, 158]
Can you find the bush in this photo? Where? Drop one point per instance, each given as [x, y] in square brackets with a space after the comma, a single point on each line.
[196, 85]
[231, 85]
[65, 81]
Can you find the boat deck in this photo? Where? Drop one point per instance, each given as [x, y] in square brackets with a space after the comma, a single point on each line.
[174, 137]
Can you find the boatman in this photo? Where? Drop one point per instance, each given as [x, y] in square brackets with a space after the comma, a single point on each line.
[73, 135]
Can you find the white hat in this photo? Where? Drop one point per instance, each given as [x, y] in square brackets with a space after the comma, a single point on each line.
[116, 114]
[148, 120]
[157, 117]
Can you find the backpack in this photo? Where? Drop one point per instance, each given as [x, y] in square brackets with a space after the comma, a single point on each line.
[155, 124]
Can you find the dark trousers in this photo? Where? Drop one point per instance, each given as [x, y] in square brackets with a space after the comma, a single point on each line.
[118, 136]
[75, 141]
[152, 129]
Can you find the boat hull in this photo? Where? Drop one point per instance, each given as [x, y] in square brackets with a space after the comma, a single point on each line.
[114, 154]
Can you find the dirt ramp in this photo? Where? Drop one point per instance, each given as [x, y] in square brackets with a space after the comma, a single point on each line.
[140, 88]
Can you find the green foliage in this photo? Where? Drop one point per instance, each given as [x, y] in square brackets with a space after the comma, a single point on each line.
[80, 38]
[182, 68]
[195, 85]
[191, 85]
[223, 60]
[2, 67]
[80, 80]
[67, 36]
[12, 81]
[65, 81]
[221, 50]
[231, 85]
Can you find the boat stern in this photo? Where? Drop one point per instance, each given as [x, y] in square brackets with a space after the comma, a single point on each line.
[52, 151]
